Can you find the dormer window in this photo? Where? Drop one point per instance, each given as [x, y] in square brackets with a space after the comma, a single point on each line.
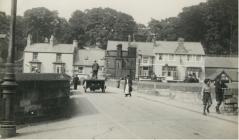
[86, 58]
[58, 57]
[34, 56]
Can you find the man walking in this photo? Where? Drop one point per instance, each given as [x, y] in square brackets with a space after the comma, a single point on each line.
[219, 90]
[75, 82]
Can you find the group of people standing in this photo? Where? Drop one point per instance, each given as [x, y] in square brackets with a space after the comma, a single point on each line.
[219, 91]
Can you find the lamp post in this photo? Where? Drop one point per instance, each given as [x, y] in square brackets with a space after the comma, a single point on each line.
[7, 126]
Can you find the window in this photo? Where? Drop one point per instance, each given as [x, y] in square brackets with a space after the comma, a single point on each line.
[58, 57]
[171, 57]
[145, 59]
[198, 58]
[59, 68]
[35, 68]
[35, 55]
[189, 57]
[169, 71]
[160, 57]
[80, 69]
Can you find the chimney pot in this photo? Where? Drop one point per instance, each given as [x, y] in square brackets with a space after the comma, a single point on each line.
[29, 38]
[52, 41]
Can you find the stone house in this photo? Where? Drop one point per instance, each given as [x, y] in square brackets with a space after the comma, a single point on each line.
[120, 61]
[49, 57]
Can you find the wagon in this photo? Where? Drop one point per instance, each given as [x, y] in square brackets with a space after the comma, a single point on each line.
[94, 84]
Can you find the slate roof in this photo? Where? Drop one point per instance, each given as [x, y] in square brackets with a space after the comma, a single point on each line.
[221, 62]
[213, 73]
[86, 57]
[41, 77]
[169, 47]
[45, 47]
[145, 48]
[163, 47]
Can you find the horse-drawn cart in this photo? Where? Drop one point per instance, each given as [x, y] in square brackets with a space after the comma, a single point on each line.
[94, 84]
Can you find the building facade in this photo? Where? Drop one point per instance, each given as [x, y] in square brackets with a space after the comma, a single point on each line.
[85, 58]
[120, 63]
[174, 60]
[49, 57]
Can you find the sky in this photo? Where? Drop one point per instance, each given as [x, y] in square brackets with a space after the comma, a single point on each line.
[141, 10]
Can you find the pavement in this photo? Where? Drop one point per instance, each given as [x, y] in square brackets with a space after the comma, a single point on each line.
[110, 115]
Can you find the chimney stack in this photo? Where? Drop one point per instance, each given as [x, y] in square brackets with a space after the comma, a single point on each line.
[52, 41]
[154, 41]
[180, 42]
[29, 38]
[119, 50]
[75, 43]
[129, 40]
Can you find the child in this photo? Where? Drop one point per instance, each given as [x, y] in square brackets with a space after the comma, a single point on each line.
[206, 93]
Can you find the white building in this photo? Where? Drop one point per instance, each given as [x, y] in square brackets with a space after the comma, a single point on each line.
[177, 59]
[173, 60]
[85, 58]
[49, 57]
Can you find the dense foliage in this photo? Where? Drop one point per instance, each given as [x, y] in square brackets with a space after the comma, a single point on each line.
[213, 23]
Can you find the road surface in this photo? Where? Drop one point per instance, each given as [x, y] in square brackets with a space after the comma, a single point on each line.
[111, 115]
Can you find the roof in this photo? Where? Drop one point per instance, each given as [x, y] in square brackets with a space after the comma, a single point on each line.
[214, 73]
[164, 47]
[145, 48]
[46, 48]
[41, 77]
[221, 62]
[170, 47]
[86, 57]
[233, 85]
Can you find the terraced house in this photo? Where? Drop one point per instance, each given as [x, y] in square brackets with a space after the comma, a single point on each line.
[173, 60]
[49, 57]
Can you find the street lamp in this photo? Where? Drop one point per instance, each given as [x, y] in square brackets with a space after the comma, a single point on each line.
[8, 126]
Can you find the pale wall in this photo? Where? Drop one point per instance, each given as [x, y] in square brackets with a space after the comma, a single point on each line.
[47, 60]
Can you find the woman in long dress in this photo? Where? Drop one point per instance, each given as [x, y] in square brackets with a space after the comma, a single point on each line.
[128, 86]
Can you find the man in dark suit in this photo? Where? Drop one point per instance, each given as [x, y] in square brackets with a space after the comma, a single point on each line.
[95, 68]
[75, 81]
[219, 90]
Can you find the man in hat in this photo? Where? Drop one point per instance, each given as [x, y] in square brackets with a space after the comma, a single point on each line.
[95, 68]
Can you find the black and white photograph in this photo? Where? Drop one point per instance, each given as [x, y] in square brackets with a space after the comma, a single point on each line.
[119, 69]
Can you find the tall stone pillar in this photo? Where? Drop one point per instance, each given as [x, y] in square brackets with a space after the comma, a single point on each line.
[7, 126]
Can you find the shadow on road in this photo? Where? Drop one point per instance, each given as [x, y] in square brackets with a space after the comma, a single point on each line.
[81, 106]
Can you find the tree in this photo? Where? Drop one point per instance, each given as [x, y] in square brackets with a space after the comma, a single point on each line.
[98, 25]
[40, 23]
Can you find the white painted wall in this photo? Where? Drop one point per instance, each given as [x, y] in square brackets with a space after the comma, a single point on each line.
[47, 60]
[176, 62]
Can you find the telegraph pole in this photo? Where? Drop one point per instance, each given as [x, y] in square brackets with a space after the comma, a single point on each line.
[9, 85]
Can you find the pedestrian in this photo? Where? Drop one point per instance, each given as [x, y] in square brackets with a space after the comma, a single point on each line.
[75, 81]
[219, 90]
[128, 86]
[206, 94]
[95, 68]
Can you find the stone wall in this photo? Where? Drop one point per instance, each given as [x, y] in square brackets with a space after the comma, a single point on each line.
[40, 96]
